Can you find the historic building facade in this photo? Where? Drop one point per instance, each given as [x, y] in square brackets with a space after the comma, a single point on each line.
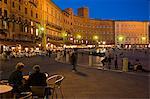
[42, 22]
[131, 33]
[93, 31]
[19, 20]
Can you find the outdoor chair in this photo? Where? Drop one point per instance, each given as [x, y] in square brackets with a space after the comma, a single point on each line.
[54, 82]
[26, 95]
[38, 91]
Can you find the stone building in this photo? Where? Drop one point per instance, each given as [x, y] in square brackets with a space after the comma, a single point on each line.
[32, 23]
[19, 21]
[131, 33]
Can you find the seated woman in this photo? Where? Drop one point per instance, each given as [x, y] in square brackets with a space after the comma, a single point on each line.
[137, 65]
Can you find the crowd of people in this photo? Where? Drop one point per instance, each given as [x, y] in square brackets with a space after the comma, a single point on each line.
[115, 56]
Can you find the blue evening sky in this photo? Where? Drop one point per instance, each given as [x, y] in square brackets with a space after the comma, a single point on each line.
[111, 9]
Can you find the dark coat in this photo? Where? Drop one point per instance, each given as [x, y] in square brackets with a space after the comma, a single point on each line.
[16, 78]
[74, 58]
[37, 79]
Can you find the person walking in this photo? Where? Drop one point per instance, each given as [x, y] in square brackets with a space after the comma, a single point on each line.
[74, 60]
[116, 62]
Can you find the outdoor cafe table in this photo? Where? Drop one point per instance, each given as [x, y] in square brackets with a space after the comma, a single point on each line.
[5, 91]
[5, 88]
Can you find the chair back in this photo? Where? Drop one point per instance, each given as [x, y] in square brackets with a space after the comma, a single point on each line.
[38, 91]
[55, 80]
[26, 95]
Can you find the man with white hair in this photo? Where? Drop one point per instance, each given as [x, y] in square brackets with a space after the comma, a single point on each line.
[16, 78]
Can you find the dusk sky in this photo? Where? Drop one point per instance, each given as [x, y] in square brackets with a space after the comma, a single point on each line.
[111, 9]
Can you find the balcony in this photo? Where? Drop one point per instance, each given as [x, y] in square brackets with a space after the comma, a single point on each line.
[3, 31]
[54, 26]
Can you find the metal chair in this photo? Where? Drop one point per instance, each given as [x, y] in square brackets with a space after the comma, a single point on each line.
[54, 82]
[26, 95]
[38, 91]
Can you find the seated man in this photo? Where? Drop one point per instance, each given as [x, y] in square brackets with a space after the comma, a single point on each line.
[37, 78]
[16, 78]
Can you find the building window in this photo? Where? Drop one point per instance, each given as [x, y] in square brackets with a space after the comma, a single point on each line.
[21, 28]
[31, 13]
[13, 29]
[31, 30]
[5, 24]
[5, 1]
[31, 23]
[36, 33]
[36, 15]
[0, 11]
[25, 10]
[5, 13]
[13, 4]
[26, 29]
[19, 8]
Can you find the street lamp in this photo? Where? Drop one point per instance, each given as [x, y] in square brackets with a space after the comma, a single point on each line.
[103, 43]
[95, 38]
[78, 36]
[143, 40]
[120, 38]
[64, 36]
[42, 28]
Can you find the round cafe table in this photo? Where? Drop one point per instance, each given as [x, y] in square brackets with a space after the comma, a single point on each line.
[5, 88]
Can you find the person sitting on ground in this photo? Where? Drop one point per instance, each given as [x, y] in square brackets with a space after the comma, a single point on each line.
[16, 78]
[137, 65]
[130, 66]
[37, 78]
[104, 61]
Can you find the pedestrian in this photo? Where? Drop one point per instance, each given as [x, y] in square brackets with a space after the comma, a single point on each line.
[109, 62]
[116, 62]
[104, 61]
[138, 65]
[49, 53]
[74, 60]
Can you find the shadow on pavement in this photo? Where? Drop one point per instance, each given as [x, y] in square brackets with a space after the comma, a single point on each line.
[81, 74]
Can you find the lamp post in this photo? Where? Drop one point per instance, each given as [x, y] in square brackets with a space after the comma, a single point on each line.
[41, 32]
[104, 42]
[79, 37]
[64, 36]
[120, 39]
[143, 40]
[43, 35]
[95, 39]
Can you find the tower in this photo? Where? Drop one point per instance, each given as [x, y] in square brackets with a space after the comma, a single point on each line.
[83, 12]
